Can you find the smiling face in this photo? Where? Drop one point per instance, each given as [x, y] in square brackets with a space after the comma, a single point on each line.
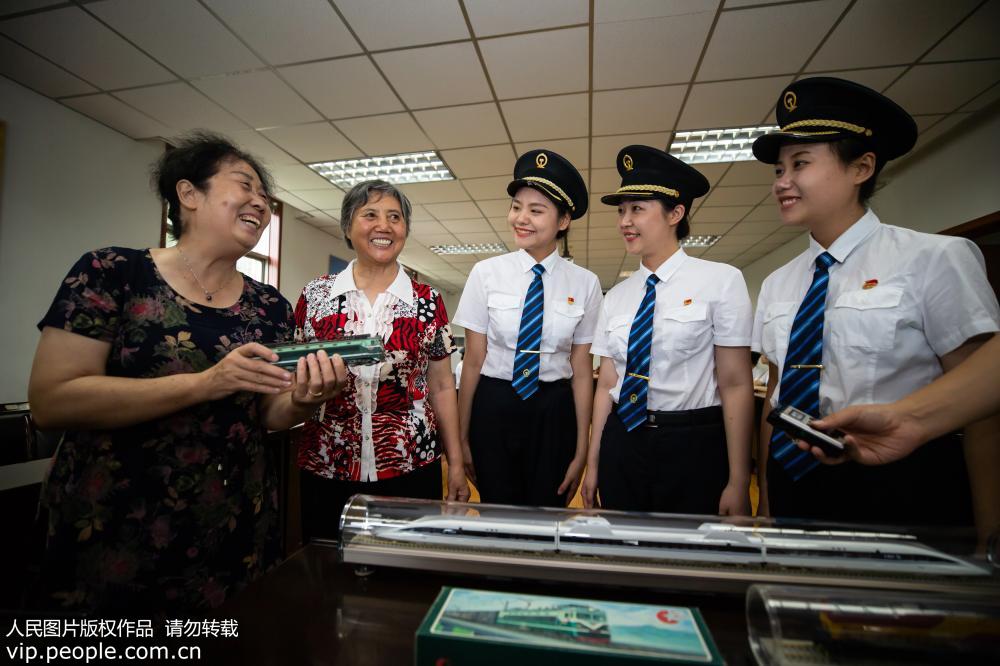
[812, 185]
[233, 205]
[535, 220]
[378, 230]
[649, 229]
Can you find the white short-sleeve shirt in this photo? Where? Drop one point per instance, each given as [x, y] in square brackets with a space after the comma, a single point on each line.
[699, 305]
[494, 295]
[897, 300]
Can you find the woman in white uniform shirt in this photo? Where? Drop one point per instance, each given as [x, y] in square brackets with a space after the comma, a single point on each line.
[885, 310]
[529, 316]
[674, 405]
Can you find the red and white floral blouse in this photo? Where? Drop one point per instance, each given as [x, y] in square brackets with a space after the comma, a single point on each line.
[382, 424]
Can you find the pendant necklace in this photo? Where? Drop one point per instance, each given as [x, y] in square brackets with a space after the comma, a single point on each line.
[208, 294]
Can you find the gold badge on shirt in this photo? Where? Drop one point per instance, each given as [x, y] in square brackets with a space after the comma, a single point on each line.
[870, 284]
[688, 301]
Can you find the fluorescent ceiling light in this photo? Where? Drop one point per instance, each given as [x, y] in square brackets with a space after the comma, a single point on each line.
[397, 169]
[471, 248]
[717, 145]
[700, 241]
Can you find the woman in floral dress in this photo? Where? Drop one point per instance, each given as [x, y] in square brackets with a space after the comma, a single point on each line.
[162, 496]
[384, 434]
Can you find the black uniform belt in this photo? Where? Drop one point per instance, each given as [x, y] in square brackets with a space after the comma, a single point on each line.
[684, 417]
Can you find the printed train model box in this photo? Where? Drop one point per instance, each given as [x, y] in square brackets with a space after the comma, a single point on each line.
[482, 628]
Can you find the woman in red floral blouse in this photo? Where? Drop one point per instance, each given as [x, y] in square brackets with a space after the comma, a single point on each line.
[384, 434]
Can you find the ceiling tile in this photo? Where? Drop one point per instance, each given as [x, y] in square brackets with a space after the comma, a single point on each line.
[328, 198]
[23, 66]
[476, 162]
[611, 11]
[860, 39]
[437, 239]
[260, 98]
[500, 224]
[710, 228]
[636, 53]
[639, 110]
[75, 40]
[743, 195]
[602, 216]
[385, 135]
[604, 149]
[459, 126]
[283, 32]
[547, 117]
[765, 228]
[426, 193]
[487, 188]
[743, 41]
[575, 150]
[767, 211]
[180, 106]
[15, 6]
[876, 78]
[541, 63]
[925, 122]
[457, 210]
[749, 173]
[953, 84]
[181, 34]
[262, 149]
[298, 178]
[484, 237]
[983, 100]
[292, 200]
[389, 24]
[730, 103]
[975, 38]
[315, 142]
[720, 213]
[467, 226]
[419, 214]
[333, 214]
[489, 17]
[113, 113]
[604, 180]
[428, 228]
[713, 172]
[437, 75]
[942, 127]
[343, 88]
[604, 233]
[495, 208]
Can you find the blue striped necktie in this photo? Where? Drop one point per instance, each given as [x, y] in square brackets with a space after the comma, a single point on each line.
[803, 364]
[529, 339]
[635, 385]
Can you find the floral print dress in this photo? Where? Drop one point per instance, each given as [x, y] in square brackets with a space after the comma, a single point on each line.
[175, 513]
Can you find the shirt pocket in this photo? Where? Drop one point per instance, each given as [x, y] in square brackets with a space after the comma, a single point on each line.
[563, 322]
[866, 319]
[617, 331]
[685, 327]
[505, 317]
[775, 329]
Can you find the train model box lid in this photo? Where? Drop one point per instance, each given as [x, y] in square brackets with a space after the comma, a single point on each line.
[484, 628]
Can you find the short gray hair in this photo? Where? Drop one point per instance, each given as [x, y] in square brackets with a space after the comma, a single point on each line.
[361, 194]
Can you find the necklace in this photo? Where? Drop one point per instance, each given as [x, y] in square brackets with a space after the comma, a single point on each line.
[208, 294]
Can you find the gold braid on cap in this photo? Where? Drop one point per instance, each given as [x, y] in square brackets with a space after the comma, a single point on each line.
[651, 188]
[839, 124]
[549, 183]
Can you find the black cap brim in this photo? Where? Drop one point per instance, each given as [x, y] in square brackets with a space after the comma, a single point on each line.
[767, 148]
[618, 197]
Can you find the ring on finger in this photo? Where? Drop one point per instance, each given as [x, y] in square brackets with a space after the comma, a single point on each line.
[315, 395]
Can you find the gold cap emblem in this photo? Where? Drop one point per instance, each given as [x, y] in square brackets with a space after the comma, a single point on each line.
[627, 162]
[541, 160]
[790, 101]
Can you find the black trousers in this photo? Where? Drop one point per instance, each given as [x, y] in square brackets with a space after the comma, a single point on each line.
[669, 468]
[323, 499]
[521, 448]
[928, 487]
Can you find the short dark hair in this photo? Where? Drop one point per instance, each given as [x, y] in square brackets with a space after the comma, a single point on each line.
[360, 194]
[561, 209]
[196, 157]
[849, 149]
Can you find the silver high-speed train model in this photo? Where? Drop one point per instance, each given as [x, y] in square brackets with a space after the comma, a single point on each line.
[708, 543]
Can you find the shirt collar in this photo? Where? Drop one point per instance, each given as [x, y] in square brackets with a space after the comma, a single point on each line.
[551, 262]
[401, 287]
[841, 248]
[667, 268]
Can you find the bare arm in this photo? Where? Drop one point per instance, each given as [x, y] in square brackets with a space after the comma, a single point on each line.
[441, 394]
[583, 401]
[69, 388]
[475, 356]
[764, 449]
[735, 380]
[606, 380]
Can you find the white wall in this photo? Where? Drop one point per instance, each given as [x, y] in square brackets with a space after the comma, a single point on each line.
[951, 181]
[305, 253]
[70, 185]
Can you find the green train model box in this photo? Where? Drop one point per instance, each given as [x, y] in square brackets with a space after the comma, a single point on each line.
[482, 628]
